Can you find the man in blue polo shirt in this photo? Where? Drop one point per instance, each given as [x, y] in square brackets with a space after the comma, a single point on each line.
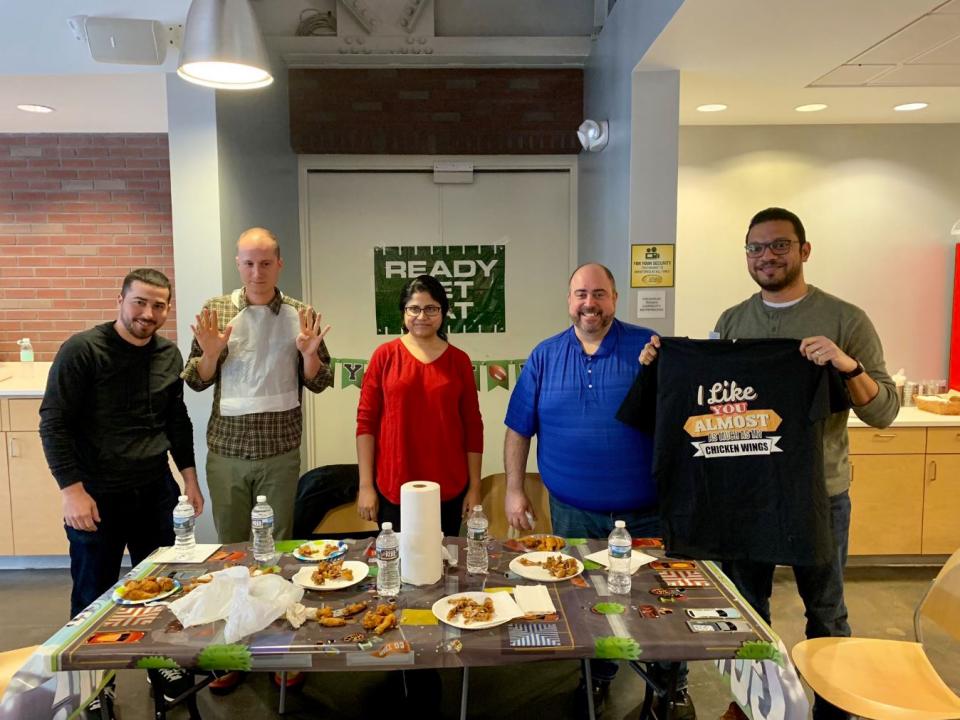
[596, 469]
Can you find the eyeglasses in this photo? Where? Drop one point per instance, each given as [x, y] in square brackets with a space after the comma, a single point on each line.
[430, 310]
[777, 247]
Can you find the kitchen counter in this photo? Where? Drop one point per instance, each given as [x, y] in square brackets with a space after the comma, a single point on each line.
[912, 417]
[23, 379]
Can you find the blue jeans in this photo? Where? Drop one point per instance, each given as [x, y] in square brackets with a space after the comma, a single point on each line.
[820, 588]
[140, 519]
[571, 522]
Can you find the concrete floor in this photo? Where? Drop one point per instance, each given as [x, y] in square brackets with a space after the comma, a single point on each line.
[881, 603]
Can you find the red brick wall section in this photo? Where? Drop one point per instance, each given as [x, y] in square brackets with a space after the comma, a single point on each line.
[463, 111]
[77, 212]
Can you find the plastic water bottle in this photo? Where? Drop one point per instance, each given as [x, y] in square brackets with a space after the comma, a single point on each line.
[184, 522]
[477, 557]
[619, 546]
[26, 350]
[388, 562]
[261, 525]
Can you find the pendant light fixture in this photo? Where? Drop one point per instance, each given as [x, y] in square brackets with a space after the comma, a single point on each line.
[222, 46]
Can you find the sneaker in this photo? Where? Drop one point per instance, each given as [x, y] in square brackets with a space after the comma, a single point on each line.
[172, 682]
[683, 708]
[294, 679]
[226, 683]
[600, 692]
[102, 706]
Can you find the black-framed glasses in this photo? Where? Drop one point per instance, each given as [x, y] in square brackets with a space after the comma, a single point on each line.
[429, 310]
[777, 247]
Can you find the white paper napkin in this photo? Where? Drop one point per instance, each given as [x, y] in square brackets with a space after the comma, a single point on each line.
[534, 599]
[199, 554]
[637, 559]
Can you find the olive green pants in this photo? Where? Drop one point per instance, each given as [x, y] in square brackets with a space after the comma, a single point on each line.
[234, 484]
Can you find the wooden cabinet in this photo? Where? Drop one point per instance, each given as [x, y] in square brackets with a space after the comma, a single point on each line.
[905, 490]
[886, 489]
[6, 524]
[34, 517]
[941, 512]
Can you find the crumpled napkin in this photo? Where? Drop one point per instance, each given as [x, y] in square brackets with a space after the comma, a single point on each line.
[298, 614]
[248, 604]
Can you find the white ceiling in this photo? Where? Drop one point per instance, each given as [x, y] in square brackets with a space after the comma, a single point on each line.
[760, 57]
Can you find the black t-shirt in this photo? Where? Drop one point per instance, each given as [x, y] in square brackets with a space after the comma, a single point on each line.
[738, 448]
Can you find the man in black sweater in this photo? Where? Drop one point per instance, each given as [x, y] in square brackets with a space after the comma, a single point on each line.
[112, 409]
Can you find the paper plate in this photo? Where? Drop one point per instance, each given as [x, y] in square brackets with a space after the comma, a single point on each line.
[303, 576]
[318, 547]
[539, 537]
[505, 609]
[535, 572]
[121, 600]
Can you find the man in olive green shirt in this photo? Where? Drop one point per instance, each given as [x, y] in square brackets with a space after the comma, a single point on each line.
[832, 331]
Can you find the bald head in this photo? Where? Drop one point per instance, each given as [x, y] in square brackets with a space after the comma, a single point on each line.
[258, 238]
[590, 269]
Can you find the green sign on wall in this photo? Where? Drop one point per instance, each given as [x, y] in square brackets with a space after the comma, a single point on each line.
[473, 275]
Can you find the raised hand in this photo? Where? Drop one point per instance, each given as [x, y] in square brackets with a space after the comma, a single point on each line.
[208, 335]
[311, 334]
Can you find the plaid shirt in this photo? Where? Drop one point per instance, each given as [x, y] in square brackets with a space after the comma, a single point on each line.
[257, 435]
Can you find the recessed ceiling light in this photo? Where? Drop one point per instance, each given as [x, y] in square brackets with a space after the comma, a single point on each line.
[909, 107]
[35, 108]
[712, 107]
[812, 107]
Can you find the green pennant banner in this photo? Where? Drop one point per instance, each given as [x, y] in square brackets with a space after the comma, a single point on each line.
[497, 374]
[351, 371]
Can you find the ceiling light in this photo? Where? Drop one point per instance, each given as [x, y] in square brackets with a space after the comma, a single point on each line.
[712, 107]
[909, 107]
[35, 108]
[812, 107]
[223, 47]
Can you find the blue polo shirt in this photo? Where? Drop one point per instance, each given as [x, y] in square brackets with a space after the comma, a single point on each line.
[569, 400]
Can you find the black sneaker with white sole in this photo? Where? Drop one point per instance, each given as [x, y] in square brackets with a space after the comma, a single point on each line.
[680, 709]
[172, 682]
[102, 706]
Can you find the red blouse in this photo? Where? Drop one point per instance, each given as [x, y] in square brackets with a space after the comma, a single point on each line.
[425, 418]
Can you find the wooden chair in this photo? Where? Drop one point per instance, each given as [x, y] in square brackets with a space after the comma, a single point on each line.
[343, 520]
[494, 488]
[10, 662]
[889, 679]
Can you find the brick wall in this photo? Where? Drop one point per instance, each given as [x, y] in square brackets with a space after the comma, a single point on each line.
[77, 212]
[462, 111]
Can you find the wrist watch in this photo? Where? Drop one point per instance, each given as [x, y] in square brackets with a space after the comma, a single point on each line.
[853, 373]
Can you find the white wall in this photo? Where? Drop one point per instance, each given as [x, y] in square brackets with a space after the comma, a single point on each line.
[195, 199]
[620, 186]
[877, 201]
[258, 174]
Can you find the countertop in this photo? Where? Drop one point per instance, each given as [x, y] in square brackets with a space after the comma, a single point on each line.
[912, 417]
[26, 379]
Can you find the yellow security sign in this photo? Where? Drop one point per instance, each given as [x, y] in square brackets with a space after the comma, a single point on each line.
[651, 266]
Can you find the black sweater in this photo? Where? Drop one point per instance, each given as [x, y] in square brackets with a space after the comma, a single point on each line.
[112, 410]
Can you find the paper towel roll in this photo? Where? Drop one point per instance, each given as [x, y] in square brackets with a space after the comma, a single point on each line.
[420, 548]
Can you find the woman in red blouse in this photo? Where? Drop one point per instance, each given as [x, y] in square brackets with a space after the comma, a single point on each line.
[419, 417]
